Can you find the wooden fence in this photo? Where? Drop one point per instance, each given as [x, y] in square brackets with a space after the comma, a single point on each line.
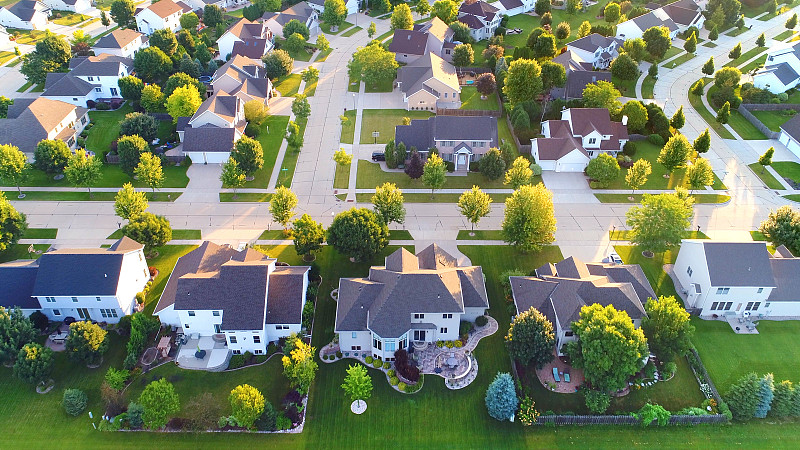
[746, 108]
[468, 112]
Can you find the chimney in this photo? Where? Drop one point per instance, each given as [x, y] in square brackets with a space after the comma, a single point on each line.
[625, 120]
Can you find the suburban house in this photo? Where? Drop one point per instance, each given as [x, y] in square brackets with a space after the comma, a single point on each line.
[31, 120]
[560, 290]
[481, 18]
[596, 49]
[413, 298]
[459, 139]
[164, 14]
[433, 36]
[244, 78]
[781, 70]
[251, 39]
[579, 74]
[224, 4]
[103, 289]
[581, 134]
[738, 279]
[209, 135]
[512, 8]
[319, 6]
[91, 78]
[121, 42]
[428, 83]
[302, 12]
[790, 134]
[242, 296]
[677, 17]
[78, 6]
[5, 37]
[25, 14]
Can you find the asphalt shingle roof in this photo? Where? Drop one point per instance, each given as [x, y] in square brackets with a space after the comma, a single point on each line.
[738, 264]
[422, 134]
[17, 279]
[208, 138]
[118, 38]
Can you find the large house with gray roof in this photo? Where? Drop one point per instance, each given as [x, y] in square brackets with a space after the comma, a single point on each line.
[86, 284]
[458, 139]
[121, 42]
[740, 279]
[32, 120]
[302, 12]
[580, 73]
[560, 290]
[677, 17]
[246, 38]
[781, 70]
[91, 78]
[164, 14]
[77, 6]
[412, 298]
[243, 296]
[25, 14]
[597, 49]
[433, 36]
[429, 83]
[481, 17]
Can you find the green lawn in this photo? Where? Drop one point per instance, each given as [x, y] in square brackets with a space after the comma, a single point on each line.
[327, 28]
[626, 235]
[20, 251]
[105, 129]
[310, 89]
[68, 18]
[400, 235]
[176, 234]
[437, 198]
[679, 60]
[709, 117]
[351, 31]
[349, 127]
[784, 35]
[371, 175]
[736, 32]
[652, 267]
[744, 128]
[165, 261]
[626, 87]
[385, 35]
[113, 176]
[40, 233]
[755, 64]
[528, 23]
[244, 197]
[471, 99]
[383, 121]
[322, 56]
[746, 56]
[342, 178]
[289, 85]
[793, 197]
[271, 137]
[354, 84]
[673, 51]
[290, 160]
[758, 236]
[504, 133]
[274, 235]
[381, 86]
[624, 198]
[788, 169]
[29, 37]
[25, 86]
[6, 57]
[773, 119]
[766, 177]
[709, 44]
[480, 235]
[648, 85]
[75, 196]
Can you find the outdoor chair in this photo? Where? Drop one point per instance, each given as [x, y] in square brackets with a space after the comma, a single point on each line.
[566, 376]
[555, 375]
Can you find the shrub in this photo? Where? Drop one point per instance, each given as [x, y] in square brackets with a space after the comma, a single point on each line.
[650, 412]
[102, 106]
[450, 166]
[252, 130]
[368, 360]
[338, 354]
[440, 344]
[474, 166]
[669, 369]
[74, 401]
[266, 422]
[236, 362]
[596, 401]
[743, 397]
[135, 413]
[401, 386]
[449, 344]
[393, 381]
[386, 365]
[404, 368]
[629, 149]
[283, 422]
[377, 363]
[655, 139]
[40, 321]
[481, 321]
[505, 283]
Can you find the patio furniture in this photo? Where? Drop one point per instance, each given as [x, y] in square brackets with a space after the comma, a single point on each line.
[452, 362]
[164, 346]
[566, 376]
[200, 354]
[555, 374]
[59, 337]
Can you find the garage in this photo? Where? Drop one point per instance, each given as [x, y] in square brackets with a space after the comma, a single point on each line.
[790, 135]
[569, 167]
[208, 157]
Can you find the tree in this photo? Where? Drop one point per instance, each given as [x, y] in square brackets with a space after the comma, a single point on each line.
[602, 94]
[190, 22]
[772, 7]
[636, 49]
[52, 54]
[16, 330]
[761, 41]
[743, 397]
[636, 114]
[152, 99]
[149, 171]
[491, 54]
[585, 29]
[300, 106]
[501, 397]
[545, 46]
[637, 174]
[650, 412]
[699, 174]
[295, 43]
[310, 74]
[573, 6]
[322, 45]
[335, 12]
[5, 102]
[359, 233]
[308, 235]
[702, 143]
[13, 166]
[83, 170]
[612, 12]
[139, 124]
[461, 32]
[212, 15]
[86, 342]
[523, 81]
[373, 64]
[724, 113]
[434, 173]
[782, 401]
[519, 174]
[658, 41]
[675, 152]
[713, 35]
[203, 55]
[342, 158]
[423, 7]
[698, 87]
[74, 401]
[678, 119]
[766, 159]
[255, 111]
[401, 18]
[414, 168]
[529, 221]
[531, 338]
[782, 227]
[248, 154]
[541, 7]
[282, 205]
[372, 29]
[736, 51]
[181, 79]
[12, 224]
[791, 22]
[149, 230]
[474, 205]
[152, 64]
[130, 149]
[463, 55]
[299, 365]
[766, 388]
[104, 20]
[553, 75]
[293, 136]
[165, 40]
[129, 203]
[624, 67]
[122, 13]
[563, 30]
[159, 401]
[667, 328]
[446, 10]
[492, 164]
[232, 175]
[660, 222]
[247, 404]
[388, 203]
[357, 383]
[486, 84]
[708, 67]
[609, 348]
[34, 363]
[604, 169]
[183, 102]
[691, 44]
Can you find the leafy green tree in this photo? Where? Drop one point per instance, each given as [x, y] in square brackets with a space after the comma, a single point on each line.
[308, 235]
[86, 342]
[152, 64]
[597, 401]
[523, 81]
[609, 348]
[474, 205]
[604, 169]
[152, 100]
[791, 23]
[678, 119]
[248, 154]
[203, 55]
[766, 159]
[232, 175]
[434, 174]
[295, 43]
[602, 94]
[388, 203]
[359, 233]
[322, 43]
[624, 67]
[342, 158]
[728, 77]
[299, 365]
[335, 12]
[310, 74]
[782, 227]
[702, 143]
[13, 166]
[612, 12]
[83, 170]
[247, 404]
[708, 67]
[34, 363]
[463, 55]
[698, 87]
[660, 222]
[149, 171]
[541, 7]
[357, 383]
[5, 102]
[585, 29]
[104, 20]
[282, 205]
[545, 46]
[293, 136]
[187, 64]
[637, 174]
[423, 7]
[122, 13]
[130, 149]
[529, 221]
[563, 30]
[573, 6]
[16, 330]
[149, 230]
[212, 15]
[658, 41]
[255, 111]
[159, 401]
[74, 401]
[699, 175]
[691, 44]
[650, 412]
[183, 102]
[636, 49]
[675, 152]
[461, 32]
[519, 174]
[636, 114]
[12, 223]
[294, 26]
[139, 124]
[501, 397]
[181, 79]
[373, 64]
[742, 397]
[713, 35]
[129, 203]
[736, 51]
[492, 164]
[165, 40]
[401, 18]
[530, 338]
[300, 106]
[667, 328]
[190, 22]
[446, 10]
[52, 54]
[372, 29]
[724, 113]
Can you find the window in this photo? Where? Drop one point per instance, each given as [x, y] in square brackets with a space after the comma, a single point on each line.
[191, 313]
[592, 140]
[108, 313]
[114, 90]
[75, 299]
[50, 299]
[377, 343]
[723, 291]
[390, 346]
[752, 306]
[56, 312]
[419, 316]
[233, 339]
[256, 339]
[354, 335]
[760, 290]
[98, 89]
[569, 334]
[445, 95]
[258, 352]
[728, 306]
[217, 328]
[237, 352]
[419, 335]
[766, 305]
[404, 342]
[281, 327]
[91, 78]
[714, 305]
[355, 347]
[215, 313]
[447, 316]
[186, 326]
[689, 270]
[98, 299]
[443, 330]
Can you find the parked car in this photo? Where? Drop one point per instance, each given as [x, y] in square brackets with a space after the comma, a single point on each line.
[613, 258]
[378, 156]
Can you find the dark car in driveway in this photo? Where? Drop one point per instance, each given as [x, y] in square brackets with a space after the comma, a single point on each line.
[378, 156]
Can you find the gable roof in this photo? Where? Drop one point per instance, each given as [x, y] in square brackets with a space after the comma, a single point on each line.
[31, 120]
[27, 9]
[786, 272]
[220, 104]
[683, 12]
[751, 267]
[105, 64]
[510, 4]
[586, 120]
[478, 8]
[593, 41]
[62, 85]
[165, 8]
[423, 133]
[437, 28]
[285, 295]
[413, 76]
[17, 279]
[792, 127]
[245, 29]
[118, 38]
[409, 42]
[472, 21]
[208, 138]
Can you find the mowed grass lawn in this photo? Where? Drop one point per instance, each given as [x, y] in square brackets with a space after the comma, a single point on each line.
[788, 169]
[112, 176]
[383, 121]
[471, 99]
[371, 175]
[105, 129]
[271, 137]
[349, 127]
[528, 23]
[773, 119]
[289, 85]
[709, 116]
[766, 177]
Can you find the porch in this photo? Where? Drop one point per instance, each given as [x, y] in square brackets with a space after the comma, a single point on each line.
[203, 353]
[559, 376]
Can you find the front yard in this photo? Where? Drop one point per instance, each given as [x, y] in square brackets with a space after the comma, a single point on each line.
[766, 177]
[383, 121]
[371, 175]
[788, 169]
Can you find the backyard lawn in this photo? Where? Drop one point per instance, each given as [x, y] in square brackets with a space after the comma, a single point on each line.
[370, 175]
[652, 267]
[773, 119]
[788, 169]
[383, 121]
[105, 129]
[68, 18]
[471, 99]
[766, 176]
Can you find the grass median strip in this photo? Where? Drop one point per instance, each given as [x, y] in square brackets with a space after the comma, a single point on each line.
[480, 235]
[400, 235]
[80, 196]
[698, 198]
[244, 197]
[40, 233]
[426, 198]
[766, 177]
[180, 234]
[709, 117]
[626, 235]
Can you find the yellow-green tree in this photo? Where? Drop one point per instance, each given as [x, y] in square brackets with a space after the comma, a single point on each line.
[247, 404]
[86, 342]
[299, 366]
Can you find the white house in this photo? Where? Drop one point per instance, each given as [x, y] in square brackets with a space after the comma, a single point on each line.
[781, 70]
[78, 6]
[596, 49]
[319, 6]
[208, 137]
[512, 8]
[738, 279]
[25, 14]
[677, 17]
[241, 295]
[481, 18]
[790, 135]
[421, 298]
[428, 83]
[580, 135]
[121, 42]
[163, 14]
[302, 12]
[90, 78]
[560, 290]
[31, 120]
[86, 284]
[5, 38]
[251, 39]
[433, 36]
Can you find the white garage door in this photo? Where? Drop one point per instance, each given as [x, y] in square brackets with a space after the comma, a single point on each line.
[208, 157]
[570, 167]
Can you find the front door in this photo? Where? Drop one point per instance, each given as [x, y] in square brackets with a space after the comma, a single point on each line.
[83, 313]
[419, 335]
[462, 160]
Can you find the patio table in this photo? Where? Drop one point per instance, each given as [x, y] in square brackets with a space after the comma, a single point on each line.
[59, 336]
[452, 362]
